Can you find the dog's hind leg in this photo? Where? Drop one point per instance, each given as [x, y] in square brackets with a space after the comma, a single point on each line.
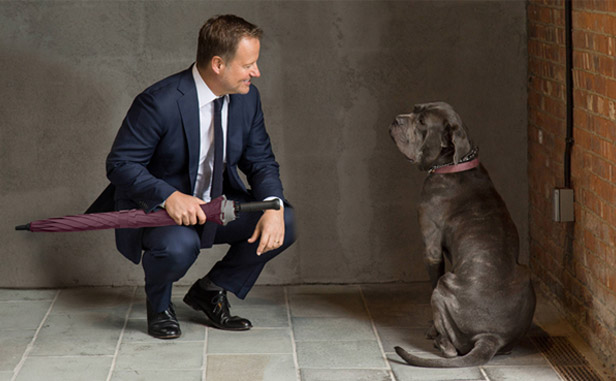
[445, 346]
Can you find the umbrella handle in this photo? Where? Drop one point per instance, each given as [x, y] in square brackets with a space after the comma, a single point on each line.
[257, 206]
[22, 227]
[229, 210]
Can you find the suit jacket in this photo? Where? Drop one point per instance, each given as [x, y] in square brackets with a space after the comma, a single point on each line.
[156, 152]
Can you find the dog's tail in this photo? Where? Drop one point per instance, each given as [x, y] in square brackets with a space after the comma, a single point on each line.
[485, 348]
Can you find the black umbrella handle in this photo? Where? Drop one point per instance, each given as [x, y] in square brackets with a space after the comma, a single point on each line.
[22, 227]
[257, 206]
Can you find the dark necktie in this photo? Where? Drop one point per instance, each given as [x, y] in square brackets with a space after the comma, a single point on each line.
[218, 150]
[209, 230]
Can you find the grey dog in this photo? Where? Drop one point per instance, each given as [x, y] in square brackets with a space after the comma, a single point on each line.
[485, 304]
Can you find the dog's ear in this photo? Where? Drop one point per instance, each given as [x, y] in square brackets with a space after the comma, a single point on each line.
[460, 140]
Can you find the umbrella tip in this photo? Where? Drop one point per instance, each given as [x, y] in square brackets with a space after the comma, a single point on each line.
[22, 227]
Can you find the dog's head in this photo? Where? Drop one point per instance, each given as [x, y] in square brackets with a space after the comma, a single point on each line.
[431, 134]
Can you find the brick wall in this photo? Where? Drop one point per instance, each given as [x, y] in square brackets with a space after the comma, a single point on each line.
[575, 262]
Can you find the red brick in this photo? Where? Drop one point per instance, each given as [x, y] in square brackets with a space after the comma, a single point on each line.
[597, 267]
[582, 40]
[610, 88]
[589, 240]
[546, 69]
[590, 201]
[582, 136]
[601, 5]
[606, 65]
[547, 33]
[602, 188]
[601, 167]
[596, 22]
[582, 20]
[545, 15]
[582, 60]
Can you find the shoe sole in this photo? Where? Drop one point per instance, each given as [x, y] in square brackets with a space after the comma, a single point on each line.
[164, 337]
[195, 306]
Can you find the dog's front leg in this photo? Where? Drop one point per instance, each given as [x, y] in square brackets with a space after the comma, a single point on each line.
[435, 271]
[433, 238]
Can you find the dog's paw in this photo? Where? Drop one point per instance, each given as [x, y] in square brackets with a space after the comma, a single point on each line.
[431, 333]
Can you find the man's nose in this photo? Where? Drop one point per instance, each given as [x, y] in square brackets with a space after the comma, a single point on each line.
[255, 71]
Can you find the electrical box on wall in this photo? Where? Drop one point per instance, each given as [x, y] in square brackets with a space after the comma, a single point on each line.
[563, 205]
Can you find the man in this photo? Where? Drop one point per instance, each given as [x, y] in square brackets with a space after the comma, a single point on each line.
[170, 152]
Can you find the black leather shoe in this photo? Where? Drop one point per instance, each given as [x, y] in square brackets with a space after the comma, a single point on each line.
[216, 308]
[163, 325]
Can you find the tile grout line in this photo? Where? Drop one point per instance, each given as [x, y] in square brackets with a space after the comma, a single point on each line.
[205, 340]
[293, 344]
[483, 372]
[30, 346]
[376, 333]
[117, 348]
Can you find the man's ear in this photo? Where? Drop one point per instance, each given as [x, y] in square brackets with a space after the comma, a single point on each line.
[218, 64]
[460, 141]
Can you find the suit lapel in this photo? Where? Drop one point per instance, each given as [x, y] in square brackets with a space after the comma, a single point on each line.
[189, 111]
[234, 131]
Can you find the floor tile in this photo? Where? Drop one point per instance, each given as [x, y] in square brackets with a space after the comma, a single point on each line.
[158, 375]
[12, 347]
[274, 316]
[327, 305]
[6, 376]
[345, 375]
[251, 368]
[535, 373]
[274, 340]
[332, 329]
[260, 296]
[23, 315]
[323, 289]
[98, 298]
[340, 354]
[7, 294]
[84, 333]
[163, 355]
[138, 309]
[65, 368]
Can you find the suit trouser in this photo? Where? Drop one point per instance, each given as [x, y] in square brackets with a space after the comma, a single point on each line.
[169, 252]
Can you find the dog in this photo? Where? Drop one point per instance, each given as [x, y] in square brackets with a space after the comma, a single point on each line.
[485, 304]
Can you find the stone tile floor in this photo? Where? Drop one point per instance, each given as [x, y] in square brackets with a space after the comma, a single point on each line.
[307, 333]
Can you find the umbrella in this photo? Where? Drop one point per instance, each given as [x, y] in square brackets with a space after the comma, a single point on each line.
[219, 210]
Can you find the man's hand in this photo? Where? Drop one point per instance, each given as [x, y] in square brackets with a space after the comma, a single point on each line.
[270, 228]
[185, 209]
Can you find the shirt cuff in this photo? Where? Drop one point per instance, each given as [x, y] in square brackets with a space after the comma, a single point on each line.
[276, 198]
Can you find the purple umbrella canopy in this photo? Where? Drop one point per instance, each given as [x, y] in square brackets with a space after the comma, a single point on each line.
[220, 210]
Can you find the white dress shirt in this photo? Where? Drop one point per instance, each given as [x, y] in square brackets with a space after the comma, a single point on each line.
[205, 99]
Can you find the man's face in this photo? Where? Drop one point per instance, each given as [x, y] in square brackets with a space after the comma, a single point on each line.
[238, 72]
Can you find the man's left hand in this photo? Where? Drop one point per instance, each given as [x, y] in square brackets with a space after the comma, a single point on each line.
[270, 228]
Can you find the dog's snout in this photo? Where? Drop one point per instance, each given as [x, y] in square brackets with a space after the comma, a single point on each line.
[399, 121]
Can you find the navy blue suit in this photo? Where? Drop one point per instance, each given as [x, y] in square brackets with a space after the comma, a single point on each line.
[156, 152]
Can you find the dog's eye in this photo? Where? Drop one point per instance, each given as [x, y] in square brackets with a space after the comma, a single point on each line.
[421, 120]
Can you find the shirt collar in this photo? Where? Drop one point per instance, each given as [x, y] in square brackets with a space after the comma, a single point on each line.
[204, 94]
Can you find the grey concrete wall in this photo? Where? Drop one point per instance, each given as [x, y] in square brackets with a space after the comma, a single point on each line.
[334, 75]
